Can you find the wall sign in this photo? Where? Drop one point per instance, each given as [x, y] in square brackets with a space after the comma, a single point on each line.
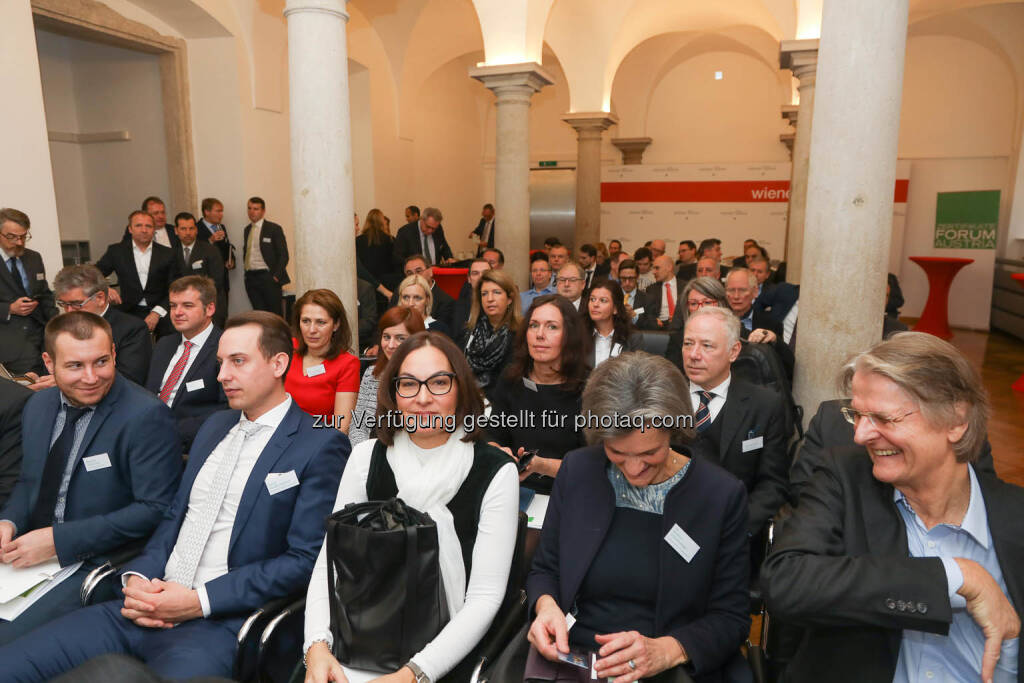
[966, 220]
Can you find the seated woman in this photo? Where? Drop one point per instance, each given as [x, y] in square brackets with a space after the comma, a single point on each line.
[644, 545]
[427, 468]
[323, 377]
[608, 322]
[395, 326]
[545, 381]
[414, 292]
[494, 319]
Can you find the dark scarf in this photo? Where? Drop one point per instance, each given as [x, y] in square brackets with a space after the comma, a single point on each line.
[486, 350]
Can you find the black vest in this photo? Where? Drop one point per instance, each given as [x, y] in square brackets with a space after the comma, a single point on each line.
[464, 506]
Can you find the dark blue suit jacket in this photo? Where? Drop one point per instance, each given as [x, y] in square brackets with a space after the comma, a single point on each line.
[190, 408]
[109, 506]
[702, 603]
[276, 538]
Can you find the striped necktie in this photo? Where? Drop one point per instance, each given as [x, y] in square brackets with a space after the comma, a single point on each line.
[703, 416]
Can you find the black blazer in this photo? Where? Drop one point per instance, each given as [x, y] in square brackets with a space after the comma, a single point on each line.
[461, 309]
[204, 231]
[273, 248]
[133, 346]
[409, 241]
[652, 306]
[163, 270]
[479, 231]
[686, 271]
[702, 603]
[762, 320]
[12, 399]
[21, 337]
[841, 566]
[752, 412]
[190, 408]
[204, 259]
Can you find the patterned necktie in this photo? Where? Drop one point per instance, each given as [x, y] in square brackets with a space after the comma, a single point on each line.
[703, 415]
[172, 379]
[188, 252]
[426, 250]
[53, 470]
[192, 537]
[12, 263]
[671, 301]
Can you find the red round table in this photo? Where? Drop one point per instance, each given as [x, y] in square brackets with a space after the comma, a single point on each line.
[1019, 384]
[940, 271]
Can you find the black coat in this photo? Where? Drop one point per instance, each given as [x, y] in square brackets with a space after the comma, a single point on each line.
[205, 259]
[133, 346]
[479, 231]
[762, 320]
[409, 241]
[163, 270]
[204, 231]
[21, 337]
[841, 567]
[13, 397]
[652, 306]
[273, 248]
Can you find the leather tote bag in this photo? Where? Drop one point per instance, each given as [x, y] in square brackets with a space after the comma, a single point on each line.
[387, 596]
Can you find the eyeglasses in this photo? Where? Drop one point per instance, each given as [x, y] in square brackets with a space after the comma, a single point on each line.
[75, 305]
[854, 416]
[567, 280]
[437, 384]
[627, 278]
[17, 238]
[694, 305]
[737, 291]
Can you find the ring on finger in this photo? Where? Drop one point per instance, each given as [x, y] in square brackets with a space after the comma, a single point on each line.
[632, 665]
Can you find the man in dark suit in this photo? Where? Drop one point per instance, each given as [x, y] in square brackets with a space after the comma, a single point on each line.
[484, 230]
[587, 258]
[268, 479]
[83, 288]
[210, 228]
[443, 306]
[184, 370]
[661, 300]
[144, 272]
[571, 284]
[163, 232]
[101, 463]
[756, 325]
[904, 563]
[199, 257]
[12, 399]
[26, 302]
[412, 237]
[265, 256]
[739, 425]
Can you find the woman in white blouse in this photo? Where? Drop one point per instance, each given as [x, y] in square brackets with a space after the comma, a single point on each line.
[611, 331]
[429, 380]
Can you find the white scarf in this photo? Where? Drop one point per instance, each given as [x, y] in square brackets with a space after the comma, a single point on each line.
[427, 480]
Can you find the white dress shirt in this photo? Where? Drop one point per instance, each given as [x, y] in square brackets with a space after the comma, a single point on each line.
[160, 236]
[605, 348]
[663, 314]
[198, 340]
[256, 261]
[718, 396]
[143, 259]
[214, 561]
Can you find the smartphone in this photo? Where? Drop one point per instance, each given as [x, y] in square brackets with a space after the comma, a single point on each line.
[525, 458]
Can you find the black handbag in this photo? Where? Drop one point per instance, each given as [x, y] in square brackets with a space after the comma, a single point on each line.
[387, 595]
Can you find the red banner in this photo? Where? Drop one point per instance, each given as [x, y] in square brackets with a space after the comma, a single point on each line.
[724, 191]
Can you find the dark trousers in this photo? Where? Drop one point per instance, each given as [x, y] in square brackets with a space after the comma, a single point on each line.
[264, 291]
[199, 647]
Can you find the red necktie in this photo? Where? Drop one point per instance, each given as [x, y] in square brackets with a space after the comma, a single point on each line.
[172, 379]
[671, 301]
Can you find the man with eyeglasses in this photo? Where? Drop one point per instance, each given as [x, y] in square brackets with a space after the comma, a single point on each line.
[570, 282]
[26, 302]
[443, 307]
[635, 302]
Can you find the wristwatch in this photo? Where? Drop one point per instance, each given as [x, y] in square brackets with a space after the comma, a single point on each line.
[417, 672]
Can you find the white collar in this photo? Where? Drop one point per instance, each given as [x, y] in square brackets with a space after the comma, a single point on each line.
[272, 418]
[721, 390]
[148, 250]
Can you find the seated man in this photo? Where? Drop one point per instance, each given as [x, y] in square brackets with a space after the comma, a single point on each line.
[246, 527]
[83, 288]
[443, 306]
[540, 281]
[661, 297]
[904, 562]
[101, 462]
[739, 425]
[571, 283]
[756, 325]
[184, 370]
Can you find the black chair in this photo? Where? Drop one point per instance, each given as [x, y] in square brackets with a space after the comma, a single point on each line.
[655, 342]
[758, 655]
[759, 364]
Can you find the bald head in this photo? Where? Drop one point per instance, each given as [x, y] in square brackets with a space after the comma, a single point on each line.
[657, 247]
[664, 268]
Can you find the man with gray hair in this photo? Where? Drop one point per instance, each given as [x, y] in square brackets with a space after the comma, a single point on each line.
[26, 302]
[424, 236]
[739, 425]
[571, 283]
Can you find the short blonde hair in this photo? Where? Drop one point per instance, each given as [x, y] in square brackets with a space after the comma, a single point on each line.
[422, 282]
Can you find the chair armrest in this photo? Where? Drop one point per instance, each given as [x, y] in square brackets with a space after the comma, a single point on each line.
[116, 560]
[247, 650]
[92, 580]
[267, 654]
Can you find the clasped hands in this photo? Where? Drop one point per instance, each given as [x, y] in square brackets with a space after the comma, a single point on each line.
[154, 603]
[549, 633]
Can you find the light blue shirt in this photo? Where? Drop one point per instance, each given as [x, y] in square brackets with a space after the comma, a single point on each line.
[526, 298]
[926, 657]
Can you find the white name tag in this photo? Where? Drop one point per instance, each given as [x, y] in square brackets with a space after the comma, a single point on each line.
[281, 481]
[681, 542]
[638, 311]
[197, 265]
[753, 444]
[570, 620]
[267, 240]
[100, 461]
[529, 384]
[315, 370]
[40, 276]
[194, 385]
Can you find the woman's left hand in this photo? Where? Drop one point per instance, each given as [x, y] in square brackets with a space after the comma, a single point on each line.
[650, 656]
[403, 675]
[538, 465]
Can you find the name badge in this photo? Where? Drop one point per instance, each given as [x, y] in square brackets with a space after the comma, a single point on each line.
[638, 311]
[281, 481]
[197, 265]
[681, 542]
[753, 444]
[570, 621]
[267, 240]
[529, 384]
[100, 461]
[315, 370]
[40, 276]
[194, 385]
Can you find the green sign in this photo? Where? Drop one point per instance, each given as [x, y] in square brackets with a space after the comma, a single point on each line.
[548, 164]
[967, 220]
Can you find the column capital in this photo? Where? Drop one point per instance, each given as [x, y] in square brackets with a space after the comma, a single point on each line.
[800, 57]
[791, 112]
[590, 121]
[788, 139]
[334, 7]
[528, 77]
[632, 149]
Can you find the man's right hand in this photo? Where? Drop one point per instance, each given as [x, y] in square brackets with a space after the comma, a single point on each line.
[23, 306]
[991, 610]
[6, 534]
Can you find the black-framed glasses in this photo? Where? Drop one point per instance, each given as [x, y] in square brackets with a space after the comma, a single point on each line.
[853, 416]
[17, 238]
[567, 280]
[75, 305]
[438, 384]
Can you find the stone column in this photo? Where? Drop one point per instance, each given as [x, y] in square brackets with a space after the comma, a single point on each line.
[513, 86]
[589, 128]
[850, 193]
[800, 57]
[321, 149]
[632, 149]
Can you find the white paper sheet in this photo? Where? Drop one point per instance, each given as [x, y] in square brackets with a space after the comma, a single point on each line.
[40, 579]
[537, 510]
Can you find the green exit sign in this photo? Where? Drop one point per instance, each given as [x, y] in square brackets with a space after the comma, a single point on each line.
[548, 164]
